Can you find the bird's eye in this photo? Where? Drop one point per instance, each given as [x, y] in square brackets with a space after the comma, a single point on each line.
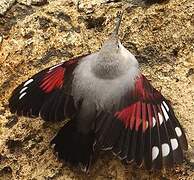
[118, 46]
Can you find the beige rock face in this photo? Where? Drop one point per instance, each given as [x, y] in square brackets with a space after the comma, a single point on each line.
[5, 5]
[162, 38]
[32, 2]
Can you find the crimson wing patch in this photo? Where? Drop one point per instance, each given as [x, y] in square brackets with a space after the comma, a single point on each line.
[44, 93]
[145, 132]
[53, 79]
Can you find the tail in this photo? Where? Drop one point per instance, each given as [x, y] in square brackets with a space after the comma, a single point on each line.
[74, 147]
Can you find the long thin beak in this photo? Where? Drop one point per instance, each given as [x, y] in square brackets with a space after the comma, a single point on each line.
[118, 23]
[119, 18]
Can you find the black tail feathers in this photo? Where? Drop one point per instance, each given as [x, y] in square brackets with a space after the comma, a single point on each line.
[74, 147]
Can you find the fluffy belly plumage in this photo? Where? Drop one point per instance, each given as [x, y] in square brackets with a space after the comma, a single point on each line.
[105, 94]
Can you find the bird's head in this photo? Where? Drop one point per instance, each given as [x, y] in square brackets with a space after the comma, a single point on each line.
[113, 50]
[113, 45]
[114, 59]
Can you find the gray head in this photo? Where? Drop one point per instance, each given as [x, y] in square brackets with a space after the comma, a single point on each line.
[113, 43]
[113, 59]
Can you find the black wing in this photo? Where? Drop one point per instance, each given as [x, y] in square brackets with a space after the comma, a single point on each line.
[146, 131]
[47, 93]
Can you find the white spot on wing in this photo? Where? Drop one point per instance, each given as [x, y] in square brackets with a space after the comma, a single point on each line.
[174, 144]
[165, 149]
[178, 131]
[22, 95]
[28, 82]
[147, 124]
[55, 66]
[166, 106]
[164, 112]
[153, 121]
[155, 152]
[23, 89]
[160, 118]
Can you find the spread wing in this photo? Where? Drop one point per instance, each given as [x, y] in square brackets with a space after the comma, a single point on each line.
[47, 93]
[145, 131]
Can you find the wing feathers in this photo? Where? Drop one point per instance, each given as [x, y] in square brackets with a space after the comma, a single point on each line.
[165, 141]
[146, 131]
[106, 139]
[53, 80]
[156, 142]
[45, 93]
[126, 144]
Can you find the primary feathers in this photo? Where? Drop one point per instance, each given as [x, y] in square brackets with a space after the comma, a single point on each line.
[112, 106]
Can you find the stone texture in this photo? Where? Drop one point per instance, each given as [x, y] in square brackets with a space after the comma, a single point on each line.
[32, 2]
[1, 39]
[5, 5]
[162, 38]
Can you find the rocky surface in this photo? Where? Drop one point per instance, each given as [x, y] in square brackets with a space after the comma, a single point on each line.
[32, 2]
[35, 37]
[5, 5]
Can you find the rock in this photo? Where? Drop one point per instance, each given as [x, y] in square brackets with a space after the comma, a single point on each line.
[1, 39]
[5, 5]
[161, 35]
[13, 145]
[154, 1]
[32, 2]
[94, 22]
[12, 120]
[190, 72]
[39, 2]
[190, 157]
[6, 172]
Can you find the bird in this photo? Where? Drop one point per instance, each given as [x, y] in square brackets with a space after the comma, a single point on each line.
[111, 106]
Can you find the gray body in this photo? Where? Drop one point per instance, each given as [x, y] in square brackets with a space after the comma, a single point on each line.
[101, 79]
